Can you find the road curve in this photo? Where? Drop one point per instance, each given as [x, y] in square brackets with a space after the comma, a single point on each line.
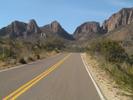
[61, 77]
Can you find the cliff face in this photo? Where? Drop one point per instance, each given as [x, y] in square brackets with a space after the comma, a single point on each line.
[123, 17]
[16, 28]
[55, 29]
[87, 30]
[32, 27]
[20, 29]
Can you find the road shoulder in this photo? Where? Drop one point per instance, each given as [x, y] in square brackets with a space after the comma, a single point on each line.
[106, 84]
[91, 76]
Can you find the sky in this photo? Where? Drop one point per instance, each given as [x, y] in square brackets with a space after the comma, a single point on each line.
[69, 13]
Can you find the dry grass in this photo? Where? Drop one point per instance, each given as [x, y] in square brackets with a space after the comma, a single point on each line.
[106, 82]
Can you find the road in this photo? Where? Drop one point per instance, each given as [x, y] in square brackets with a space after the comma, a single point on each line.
[61, 77]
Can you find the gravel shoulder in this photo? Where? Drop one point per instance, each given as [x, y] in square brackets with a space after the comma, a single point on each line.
[107, 85]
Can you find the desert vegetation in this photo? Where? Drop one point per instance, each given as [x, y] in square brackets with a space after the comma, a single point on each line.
[112, 57]
[15, 51]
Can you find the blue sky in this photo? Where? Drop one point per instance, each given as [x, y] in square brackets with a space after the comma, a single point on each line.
[70, 13]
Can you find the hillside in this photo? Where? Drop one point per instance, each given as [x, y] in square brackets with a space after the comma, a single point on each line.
[123, 34]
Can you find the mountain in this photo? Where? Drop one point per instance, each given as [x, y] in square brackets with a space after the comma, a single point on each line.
[56, 30]
[32, 31]
[124, 35]
[87, 30]
[32, 27]
[90, 30]
[16, 28]
[123, 17]
[20, 29]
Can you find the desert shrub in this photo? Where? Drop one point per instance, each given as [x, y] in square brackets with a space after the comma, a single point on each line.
[31, 59]
[57, 50]
[112, 57]
[111, 50]
[53, 44]
[38, 56]
[5, 53]
[130, 60]
[23, 61]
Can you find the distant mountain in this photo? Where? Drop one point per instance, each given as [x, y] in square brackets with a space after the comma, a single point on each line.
[15, 29]
[87, 31]
[20, 29]
[32, 27]
[32, 32]
[91, 30]
[119, 27]
[123, 17]
[55, 29]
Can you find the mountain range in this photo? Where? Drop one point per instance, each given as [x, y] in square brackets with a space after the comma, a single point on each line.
[117, 27]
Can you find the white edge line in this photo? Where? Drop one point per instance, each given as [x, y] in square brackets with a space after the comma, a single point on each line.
[95, 84]
[19, 66]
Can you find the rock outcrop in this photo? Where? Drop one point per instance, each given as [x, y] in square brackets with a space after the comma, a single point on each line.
[87, 30]
[123, 17]
[32, 27]
[20, 29]
[16, 28]
[56, 30]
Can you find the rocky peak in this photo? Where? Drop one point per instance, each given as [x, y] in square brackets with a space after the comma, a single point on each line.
[87, 29]
[55, 26]
[20, 29]
[123, 17]
[32, 27]
[14, 29]
[17, 27]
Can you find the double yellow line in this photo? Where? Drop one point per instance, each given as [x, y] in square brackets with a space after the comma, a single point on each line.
[14, 95]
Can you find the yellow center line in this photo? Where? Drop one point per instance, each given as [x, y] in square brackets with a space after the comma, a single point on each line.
[14, 95]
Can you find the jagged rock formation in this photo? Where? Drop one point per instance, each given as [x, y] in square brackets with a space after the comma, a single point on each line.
[32, 27]
[87, 30]
[90, 30]
[55, 29]
[16, 28]
[20, 29]
[123, 17]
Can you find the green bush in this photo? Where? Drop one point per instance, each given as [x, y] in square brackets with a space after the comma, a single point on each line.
[111, 50]
[112, 57]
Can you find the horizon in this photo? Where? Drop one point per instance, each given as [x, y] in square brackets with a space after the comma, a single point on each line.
[69, 14]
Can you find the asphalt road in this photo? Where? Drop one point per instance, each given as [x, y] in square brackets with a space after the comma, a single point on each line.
[61, 77]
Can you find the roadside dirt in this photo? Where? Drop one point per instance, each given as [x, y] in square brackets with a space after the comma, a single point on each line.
[107, 85]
